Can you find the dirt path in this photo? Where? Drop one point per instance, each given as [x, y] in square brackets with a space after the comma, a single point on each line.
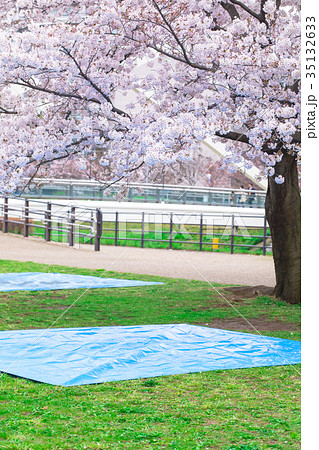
[218, 267]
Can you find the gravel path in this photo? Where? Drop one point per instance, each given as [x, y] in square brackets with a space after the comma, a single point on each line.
[218, 267]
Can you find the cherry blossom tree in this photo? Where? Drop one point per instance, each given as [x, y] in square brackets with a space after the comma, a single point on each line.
[148, 80]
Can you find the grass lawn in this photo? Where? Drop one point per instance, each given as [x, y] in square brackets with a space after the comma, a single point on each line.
[244, 409]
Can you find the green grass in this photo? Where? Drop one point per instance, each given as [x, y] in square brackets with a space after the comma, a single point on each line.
[245, 409]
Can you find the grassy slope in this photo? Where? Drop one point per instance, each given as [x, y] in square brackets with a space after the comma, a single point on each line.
[244, 409]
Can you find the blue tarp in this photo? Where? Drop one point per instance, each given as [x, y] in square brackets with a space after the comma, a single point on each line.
[77, 356]
[39, 281]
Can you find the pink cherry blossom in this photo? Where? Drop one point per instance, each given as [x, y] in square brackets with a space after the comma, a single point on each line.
[145, 81]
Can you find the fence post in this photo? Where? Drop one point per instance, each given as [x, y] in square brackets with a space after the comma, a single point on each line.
[265, 236]
[5, 215]
[98, 232]
[48, 225]
[71, 226]
[232, 234]
[60, 231]
[116, 228]
[92, 225]
[26, 218]
[142, 230]
[171, 231]
[201, 233]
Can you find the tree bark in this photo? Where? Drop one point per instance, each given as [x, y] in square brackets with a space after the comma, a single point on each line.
[283, 213]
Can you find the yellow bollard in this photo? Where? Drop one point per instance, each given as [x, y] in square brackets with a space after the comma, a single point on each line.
[215, 244]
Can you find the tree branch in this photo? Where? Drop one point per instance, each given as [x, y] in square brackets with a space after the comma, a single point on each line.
[242, 137]
[123, 176]
[94, 85]
[6, 111]
[260, 17]
[179, 42]
[172, 32]
[26, 84]
[231, 9]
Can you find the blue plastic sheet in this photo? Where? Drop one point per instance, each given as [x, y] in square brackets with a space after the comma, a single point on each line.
[77, 356]
[39, 281]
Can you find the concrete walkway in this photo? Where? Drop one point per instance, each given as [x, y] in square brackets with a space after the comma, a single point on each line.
[217, 267]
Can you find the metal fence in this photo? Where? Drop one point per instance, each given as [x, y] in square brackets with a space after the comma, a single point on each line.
[52, 221]
[203, 232]
[148, 193]
[77, 225]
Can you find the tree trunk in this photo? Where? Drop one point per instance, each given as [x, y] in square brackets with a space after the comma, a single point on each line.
[283, 213]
